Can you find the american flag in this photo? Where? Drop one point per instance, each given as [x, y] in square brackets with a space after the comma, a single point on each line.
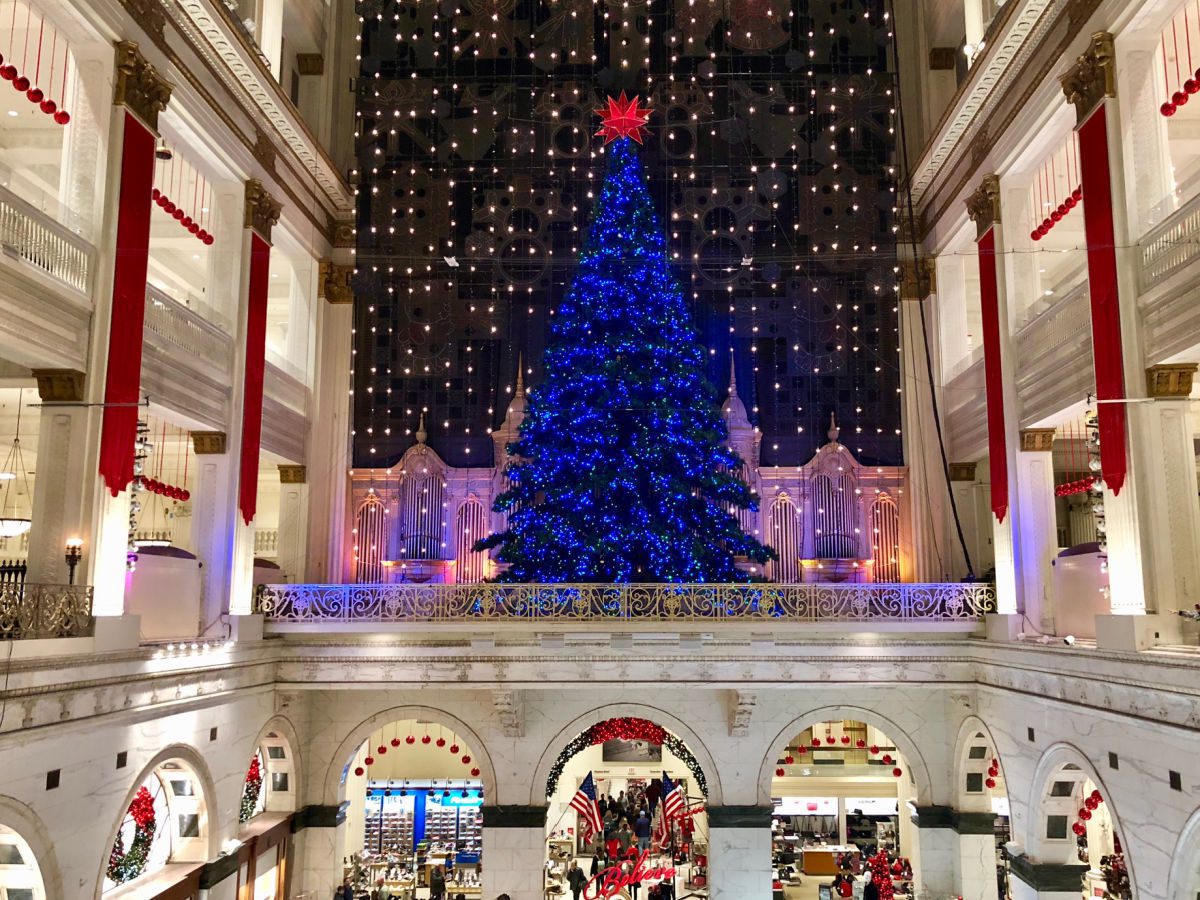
[584, 803]
[672, 798]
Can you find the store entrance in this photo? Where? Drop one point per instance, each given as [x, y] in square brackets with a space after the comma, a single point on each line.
[414, 827]
[626, 816]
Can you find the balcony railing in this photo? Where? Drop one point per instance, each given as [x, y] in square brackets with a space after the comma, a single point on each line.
[385, 603]
[32, 235]
[187, 330]
[29, 611]
[1171, 245]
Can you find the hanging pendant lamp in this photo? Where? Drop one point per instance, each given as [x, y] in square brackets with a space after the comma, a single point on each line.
[12, 523]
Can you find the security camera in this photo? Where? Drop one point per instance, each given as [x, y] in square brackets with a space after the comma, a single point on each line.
[1069, 640]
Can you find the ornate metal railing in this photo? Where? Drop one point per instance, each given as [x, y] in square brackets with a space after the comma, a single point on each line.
[35, 237]
[1171, 245]
[321, 603]
[45, 611]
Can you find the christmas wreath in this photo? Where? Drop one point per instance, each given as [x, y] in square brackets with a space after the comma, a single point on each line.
[626, 729]
[251, 790]
[126, 865]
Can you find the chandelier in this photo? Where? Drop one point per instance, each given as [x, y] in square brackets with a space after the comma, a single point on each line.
[12, 523]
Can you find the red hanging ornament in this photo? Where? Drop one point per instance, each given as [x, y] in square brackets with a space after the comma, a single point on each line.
[1079, 828]
[874, 749]
[8, 73]
[1091, 803]
[21, 83]
[802, 750]
[1085, 814]
[779, 773]
[1097, 796]
[1179, 98]
[845, 738]
[454, 748]
[474, 773]
[1035, 235]
[381, 749]
[466, 760]
[887, 759]
[990, 782]
[816, 743]
[395, 742]
[789, 760]
[34, 95]
[410, 740]
[358, 770]
[860, 743]
[830, 740]
[370, 760]
[441, 742]
[426, 739]
[897, 771]
[1167, 109]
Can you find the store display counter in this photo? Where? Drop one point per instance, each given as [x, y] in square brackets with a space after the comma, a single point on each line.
[822, 860]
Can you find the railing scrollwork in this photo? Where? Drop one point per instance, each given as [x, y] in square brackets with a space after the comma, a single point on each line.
[29, 611]
[383, 603]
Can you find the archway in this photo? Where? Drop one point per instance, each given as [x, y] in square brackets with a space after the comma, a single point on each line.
[1072, 823]
[27, 858]
[840, 788]
[415, 790]
[1185, 867]
[981, 789]
[626, 805]
[165, 820]
[272, 777]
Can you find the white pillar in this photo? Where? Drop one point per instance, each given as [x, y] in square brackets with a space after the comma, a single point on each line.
[270, 35]
[330, 448]
[291, 536]
[977, 866]
[1030, 880]
[1038, 535]
[739, 852]
[514, 853]
[63, 477]
[935, 860]
[214, 509]
[965, 486]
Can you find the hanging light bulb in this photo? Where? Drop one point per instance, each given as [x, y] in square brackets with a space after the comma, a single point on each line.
[12, 523]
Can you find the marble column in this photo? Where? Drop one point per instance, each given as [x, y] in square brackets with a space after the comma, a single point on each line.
[1029, 880]
[934, 851]
[292, 529]
[965, 486]
[1038, 536]
[317, 848]
[739, 852]
[63, 480]
[514, 851]
[214, 507]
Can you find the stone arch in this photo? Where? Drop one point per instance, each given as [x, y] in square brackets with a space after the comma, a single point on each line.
[330, 784]
[279, 730]
[580, 724]
[971, 726]
[28, 826]
[1184, 881]
[1051, 762]
[191, 758]
[904, 743]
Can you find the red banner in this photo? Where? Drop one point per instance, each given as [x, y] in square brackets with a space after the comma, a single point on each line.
[1105, 299]
[252, 398]
[122, 383]
[989, 299]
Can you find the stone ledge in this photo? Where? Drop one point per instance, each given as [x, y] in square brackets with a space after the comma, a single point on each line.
[948, 817]
[514, 816]
[320, 816]
[739, 816]
[1047, 876]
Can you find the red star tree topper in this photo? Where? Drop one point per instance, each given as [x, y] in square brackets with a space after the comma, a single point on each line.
[622, 118]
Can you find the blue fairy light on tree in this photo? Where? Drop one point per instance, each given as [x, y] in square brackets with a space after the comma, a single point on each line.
[621, 473]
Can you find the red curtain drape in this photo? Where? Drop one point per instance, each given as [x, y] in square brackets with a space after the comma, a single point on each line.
[989, 298]
[1105, 298]
[124, 374]
[252, 399]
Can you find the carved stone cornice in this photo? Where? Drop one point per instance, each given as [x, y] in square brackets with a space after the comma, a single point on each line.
[208, 442]
[264, 151]
[334, 282]
[962, 471]
[1092, 77]
[983, 206]
[262, 210]
[150, 15]
[1164, 382]
[1037, 440]
[343, 234]
[59, 385]
[293, 474]
[138, 86]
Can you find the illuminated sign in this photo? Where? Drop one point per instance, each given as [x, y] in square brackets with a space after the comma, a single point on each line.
[613, 880]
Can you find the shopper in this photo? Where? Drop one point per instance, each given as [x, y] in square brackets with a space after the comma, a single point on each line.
[871, 890]
[576, 880]
[437, 884]
[344, 891]
[624, 840]
[641, 828]
[595, 865]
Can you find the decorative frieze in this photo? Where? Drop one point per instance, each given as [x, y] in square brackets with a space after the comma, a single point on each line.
[262, 210]
[1092, 77]
[1037, 440]
[741, 711]
[335, 282]
[1167, 381]
[983, 206]
[208, 442]
[510, 712]
[264, 151]
[138, 85]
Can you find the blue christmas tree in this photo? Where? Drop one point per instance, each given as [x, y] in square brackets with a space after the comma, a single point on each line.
[620, 473]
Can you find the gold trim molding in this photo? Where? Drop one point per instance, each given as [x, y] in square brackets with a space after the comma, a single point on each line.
[292, 474]
[1173, 382]
[1037, 440]
[918, 280]
[139, 86]
[206, 443]
[262, 210]
[335, 282]
[1093, 76]
[983, 206]
[59, 385]
[964, 471]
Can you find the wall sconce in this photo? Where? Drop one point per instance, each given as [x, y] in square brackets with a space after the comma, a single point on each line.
[72, 555]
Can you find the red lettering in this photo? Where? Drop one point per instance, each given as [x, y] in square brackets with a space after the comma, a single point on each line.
[613, 880]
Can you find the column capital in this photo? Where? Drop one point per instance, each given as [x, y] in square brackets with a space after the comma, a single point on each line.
[1092, 77]
[918, 278]
[962, 471]
[334, 282]
[1165, 382]
[983, 206]
[956, 820]
[261, 209]
[513, 816]
[293, 474]
[1037, 440]
[59, 385]
[139, 87]
[208, 442]
[739, 816]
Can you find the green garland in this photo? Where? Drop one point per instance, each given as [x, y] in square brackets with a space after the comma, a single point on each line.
[126, 865]
[251, 790]
[626, 729]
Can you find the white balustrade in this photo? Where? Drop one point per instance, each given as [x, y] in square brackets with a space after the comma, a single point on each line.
[35, 237]
[1171, 245]
[186, 330]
